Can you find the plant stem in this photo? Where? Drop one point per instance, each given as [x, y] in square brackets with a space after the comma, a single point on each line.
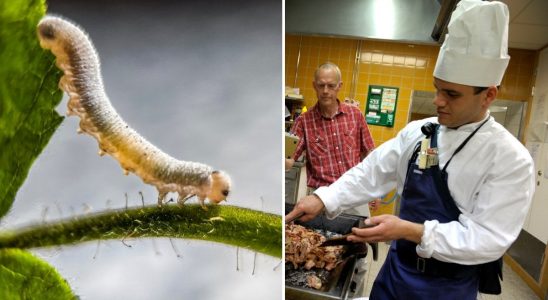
[242, 227]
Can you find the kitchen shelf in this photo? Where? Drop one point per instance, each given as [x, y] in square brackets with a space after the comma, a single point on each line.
[293, 104]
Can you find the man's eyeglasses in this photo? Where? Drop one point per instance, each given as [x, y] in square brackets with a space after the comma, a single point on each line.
[330, 86]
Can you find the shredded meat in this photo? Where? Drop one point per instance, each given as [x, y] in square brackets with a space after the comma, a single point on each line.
[301, 249]
[314, 281]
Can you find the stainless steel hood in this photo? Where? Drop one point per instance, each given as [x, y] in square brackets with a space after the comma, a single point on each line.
[397, 20]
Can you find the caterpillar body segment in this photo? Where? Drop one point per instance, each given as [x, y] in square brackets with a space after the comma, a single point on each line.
[77, 58]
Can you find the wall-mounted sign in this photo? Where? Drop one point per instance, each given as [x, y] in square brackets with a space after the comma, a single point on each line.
[380, 108]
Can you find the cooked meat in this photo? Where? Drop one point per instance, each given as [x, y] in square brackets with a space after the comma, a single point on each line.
[314, 282]
[301, 249]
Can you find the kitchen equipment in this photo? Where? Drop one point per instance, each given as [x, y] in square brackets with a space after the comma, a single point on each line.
[341, 240]
[337, 283]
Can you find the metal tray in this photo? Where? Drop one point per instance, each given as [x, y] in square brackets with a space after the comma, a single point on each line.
[339, 280]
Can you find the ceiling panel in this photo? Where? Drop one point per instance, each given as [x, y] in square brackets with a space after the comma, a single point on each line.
[528, 34]
[534, 13]
[404, 20]
[516, 6]
[528, 24]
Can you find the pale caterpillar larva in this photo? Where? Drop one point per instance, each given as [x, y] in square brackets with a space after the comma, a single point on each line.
[77, 58]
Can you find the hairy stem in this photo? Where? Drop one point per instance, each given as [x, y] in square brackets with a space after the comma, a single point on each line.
[246, 228]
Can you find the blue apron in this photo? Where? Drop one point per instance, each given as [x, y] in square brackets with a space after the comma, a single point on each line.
[407, 276]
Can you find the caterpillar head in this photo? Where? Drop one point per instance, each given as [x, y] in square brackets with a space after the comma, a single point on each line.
[220, 187]
[59, 35]
[50, 31]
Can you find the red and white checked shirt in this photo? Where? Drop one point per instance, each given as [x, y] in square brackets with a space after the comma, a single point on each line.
[332, 145]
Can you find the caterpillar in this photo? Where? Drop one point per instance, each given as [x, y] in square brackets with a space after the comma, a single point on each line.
[77, 58]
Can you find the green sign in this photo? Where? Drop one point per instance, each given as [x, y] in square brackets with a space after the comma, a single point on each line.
[380, 108]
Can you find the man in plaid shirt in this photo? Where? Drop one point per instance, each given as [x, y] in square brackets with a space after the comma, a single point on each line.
[333, 134]
[335, 138]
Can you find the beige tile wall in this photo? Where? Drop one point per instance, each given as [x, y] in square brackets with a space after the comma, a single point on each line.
[407, 66]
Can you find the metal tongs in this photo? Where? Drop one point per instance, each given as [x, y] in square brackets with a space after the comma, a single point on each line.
[341, 240]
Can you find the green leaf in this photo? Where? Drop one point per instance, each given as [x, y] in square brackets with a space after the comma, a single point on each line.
[242, 227]
[28, 95]
[23, 276]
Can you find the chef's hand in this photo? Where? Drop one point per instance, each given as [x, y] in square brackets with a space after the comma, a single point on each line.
[310, 205]
[388, 228]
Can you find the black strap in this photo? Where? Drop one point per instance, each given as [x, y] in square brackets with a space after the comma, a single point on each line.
[464, 143]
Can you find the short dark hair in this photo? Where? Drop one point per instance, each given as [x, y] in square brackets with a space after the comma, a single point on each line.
[479, 89]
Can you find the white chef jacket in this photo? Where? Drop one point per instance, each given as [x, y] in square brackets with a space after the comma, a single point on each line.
[491, 180]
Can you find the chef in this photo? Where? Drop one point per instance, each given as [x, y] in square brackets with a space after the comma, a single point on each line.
[465, 182]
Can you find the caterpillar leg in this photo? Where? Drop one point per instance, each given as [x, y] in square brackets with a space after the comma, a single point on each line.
[65, 84]
[183, 198]
[201, 200]
[161, 196]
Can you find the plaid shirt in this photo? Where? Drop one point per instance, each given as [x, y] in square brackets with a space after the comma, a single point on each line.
[332, 145]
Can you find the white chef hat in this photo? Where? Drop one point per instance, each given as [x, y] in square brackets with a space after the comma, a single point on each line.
[475, 50]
